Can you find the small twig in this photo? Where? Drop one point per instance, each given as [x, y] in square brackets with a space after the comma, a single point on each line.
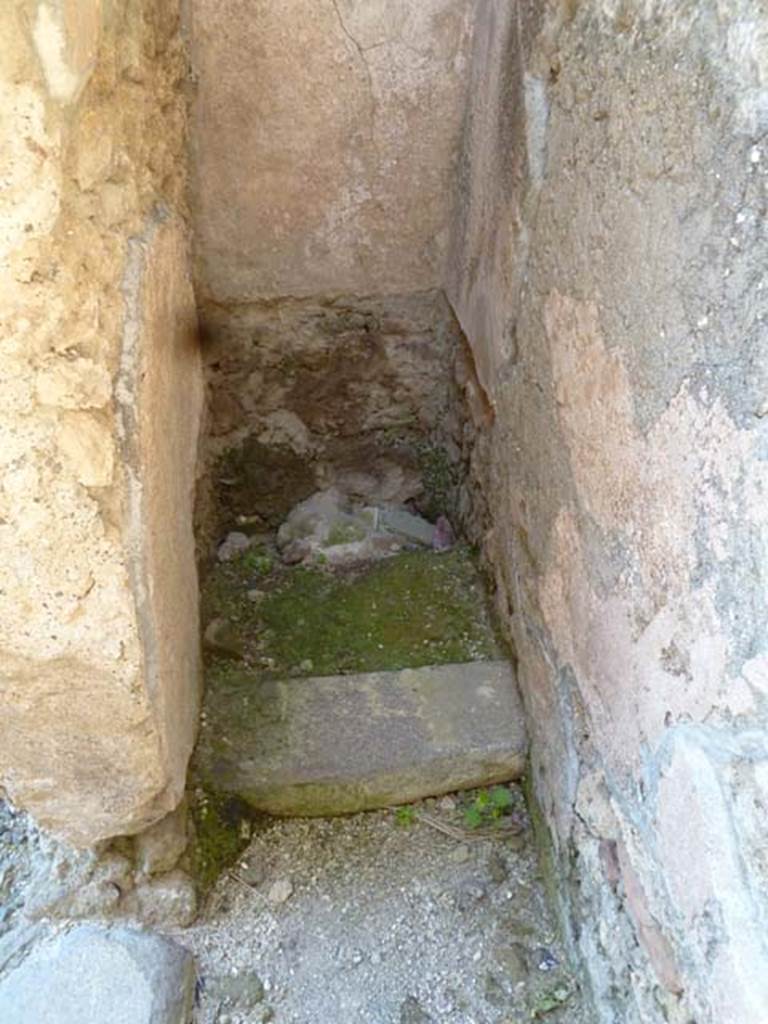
[242, 881]
[455, 832]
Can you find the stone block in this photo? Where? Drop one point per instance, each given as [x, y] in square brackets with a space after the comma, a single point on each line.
[170, 900]
[102, 389]
[160, 847]
[92, 975]
[338, 744]
[100, 650]
[411, 528]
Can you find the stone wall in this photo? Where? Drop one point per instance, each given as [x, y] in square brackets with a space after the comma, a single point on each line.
[325, 139]
[605, 260]
[101, 400]
[608, 263]
[332, 392]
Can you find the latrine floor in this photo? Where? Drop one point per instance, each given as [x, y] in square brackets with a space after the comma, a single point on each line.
[387, 917]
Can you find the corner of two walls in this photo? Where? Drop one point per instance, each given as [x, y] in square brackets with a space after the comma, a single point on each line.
[608, 258]
[102, 394]
[325, 134]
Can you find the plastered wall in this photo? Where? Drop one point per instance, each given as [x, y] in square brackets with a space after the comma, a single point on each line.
[101, 398]
[608, 269]
[325, 142]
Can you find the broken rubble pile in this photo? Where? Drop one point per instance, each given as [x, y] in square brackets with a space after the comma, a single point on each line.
[329, 527]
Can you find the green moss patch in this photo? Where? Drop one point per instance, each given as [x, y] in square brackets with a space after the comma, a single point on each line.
[222, 831]
[441, 479]
[416, 608]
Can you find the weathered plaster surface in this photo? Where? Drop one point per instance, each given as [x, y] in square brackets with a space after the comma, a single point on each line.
[326, 134]
[96, 716]
[608, 256]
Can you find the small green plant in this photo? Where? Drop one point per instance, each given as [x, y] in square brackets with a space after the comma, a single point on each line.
[488, 807]
[551, 999]
[258, 561]
[405, 816]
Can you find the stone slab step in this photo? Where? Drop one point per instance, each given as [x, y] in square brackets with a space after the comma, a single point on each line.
[338, 744]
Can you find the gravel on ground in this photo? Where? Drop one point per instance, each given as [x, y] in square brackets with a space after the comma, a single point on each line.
[382, 918]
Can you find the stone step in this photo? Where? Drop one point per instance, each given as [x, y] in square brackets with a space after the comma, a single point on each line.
[337, 744]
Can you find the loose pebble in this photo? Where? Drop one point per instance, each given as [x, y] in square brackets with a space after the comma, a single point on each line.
[461, 854]
[280, 891]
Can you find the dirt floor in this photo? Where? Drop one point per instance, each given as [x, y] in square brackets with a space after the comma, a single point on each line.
[435, 912]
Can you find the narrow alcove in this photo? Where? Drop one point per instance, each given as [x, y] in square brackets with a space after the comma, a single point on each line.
[495, 263]
[355, 164]
[354, 659]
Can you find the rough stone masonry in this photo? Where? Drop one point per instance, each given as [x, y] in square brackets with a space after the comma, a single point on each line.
[99, 418]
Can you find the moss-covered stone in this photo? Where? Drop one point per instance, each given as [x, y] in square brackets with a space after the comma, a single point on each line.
[337, 744]
[440, 478]
[417, 608]
[222, 831]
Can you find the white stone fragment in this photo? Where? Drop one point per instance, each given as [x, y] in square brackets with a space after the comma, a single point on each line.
[280, 891]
